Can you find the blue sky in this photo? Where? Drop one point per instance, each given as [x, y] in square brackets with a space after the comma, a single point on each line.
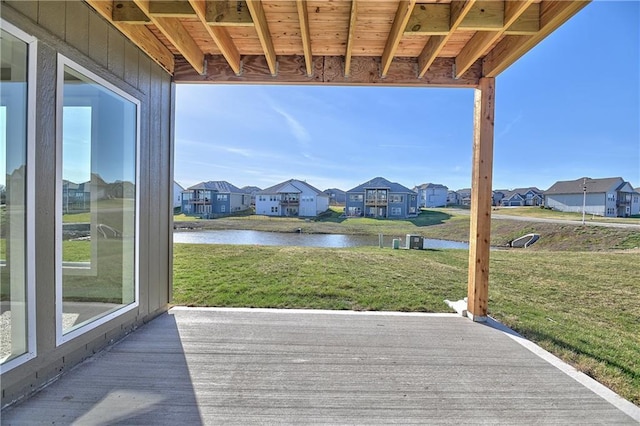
[567, 109]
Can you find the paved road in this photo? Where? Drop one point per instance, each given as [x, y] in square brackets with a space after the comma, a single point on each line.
[588, 222]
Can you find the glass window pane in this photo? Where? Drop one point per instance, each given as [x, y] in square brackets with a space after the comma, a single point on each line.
[99, 136]
[13, 154]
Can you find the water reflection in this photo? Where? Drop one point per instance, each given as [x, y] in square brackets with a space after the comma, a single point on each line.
[305, 240]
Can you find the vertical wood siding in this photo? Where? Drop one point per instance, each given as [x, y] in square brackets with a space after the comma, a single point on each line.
[73, 29]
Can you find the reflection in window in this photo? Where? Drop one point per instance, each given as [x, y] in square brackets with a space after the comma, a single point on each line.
[13, 168]
[97, 201]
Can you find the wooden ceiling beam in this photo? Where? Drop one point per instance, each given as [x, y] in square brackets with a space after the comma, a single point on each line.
[527, 23]
[552, 15]
[329, 70]
[138, 34]
[429, 19]
[434, 19]
[219, 35]
[350, 37]
[228, 13]
[484, 16]
[435, 44]
[262, 28]
[171, 9]
[405, 7]
[177, 35]
[483, 40]
[303, 17]
[126, 11]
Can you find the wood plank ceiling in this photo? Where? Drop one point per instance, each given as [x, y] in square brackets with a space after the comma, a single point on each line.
[376, 42]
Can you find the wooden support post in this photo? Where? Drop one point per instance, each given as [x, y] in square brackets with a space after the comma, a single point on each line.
[480, 229]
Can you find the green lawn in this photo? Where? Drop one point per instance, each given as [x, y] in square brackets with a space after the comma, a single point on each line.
[553, 214]
[580, 306]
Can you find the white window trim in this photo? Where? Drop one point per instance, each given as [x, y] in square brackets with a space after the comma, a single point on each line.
[61, 337]
[32, 68]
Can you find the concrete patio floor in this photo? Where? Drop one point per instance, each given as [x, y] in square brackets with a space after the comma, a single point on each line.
[225, 366]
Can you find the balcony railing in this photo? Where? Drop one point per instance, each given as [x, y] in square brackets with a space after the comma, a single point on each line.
[376, 201]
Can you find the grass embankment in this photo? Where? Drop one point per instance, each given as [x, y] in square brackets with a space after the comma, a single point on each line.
[580, 306]
[445, 224]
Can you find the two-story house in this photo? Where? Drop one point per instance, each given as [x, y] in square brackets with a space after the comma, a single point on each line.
[432, 195]
[214, 198]
[610, 197]
[382, 199]
[291, 198]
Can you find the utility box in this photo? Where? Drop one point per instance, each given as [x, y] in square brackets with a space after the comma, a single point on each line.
[415, 242]
[396, 243]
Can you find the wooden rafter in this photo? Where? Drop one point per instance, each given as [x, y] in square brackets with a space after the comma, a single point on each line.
[424, 31]
[177, 35]
[171, 9]
[429, 19]
[303, 17]
[511, 48]
[352, 28]
[219, 35]
[127, 11]
[397, 30]
[459, 10]
[139, 35]
[228, 13]
[527, 23]
[262, 28]
[483, 40]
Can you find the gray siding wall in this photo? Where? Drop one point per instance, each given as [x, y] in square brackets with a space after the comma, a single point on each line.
[594, 204]
[73, 29]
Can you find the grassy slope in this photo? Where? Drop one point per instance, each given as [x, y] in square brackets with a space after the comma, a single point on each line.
[441, 224]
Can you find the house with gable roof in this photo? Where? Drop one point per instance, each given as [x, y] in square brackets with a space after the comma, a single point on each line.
[531, 196]
[177, 194]
[432, 195]
[291, 198]
[251, 190]
[382, 199]
[609, 197]
[214, 198]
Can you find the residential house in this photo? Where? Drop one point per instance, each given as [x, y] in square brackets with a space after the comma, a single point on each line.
[381, 198]
[610, 197]
[252, 191]
[497, 196]
[291, 198]
[452, 198]
[464, 196]
[76, 197]
[432, 195]
[337, 197]
[177, 194]
[214, 198]
[521, 197]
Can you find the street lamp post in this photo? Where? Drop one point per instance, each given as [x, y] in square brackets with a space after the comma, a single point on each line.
[584, 197]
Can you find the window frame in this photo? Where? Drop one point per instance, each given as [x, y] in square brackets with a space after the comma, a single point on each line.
[62, 337]
[30, 240]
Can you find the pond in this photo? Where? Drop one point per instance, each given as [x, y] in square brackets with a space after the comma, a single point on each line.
[305, 240]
